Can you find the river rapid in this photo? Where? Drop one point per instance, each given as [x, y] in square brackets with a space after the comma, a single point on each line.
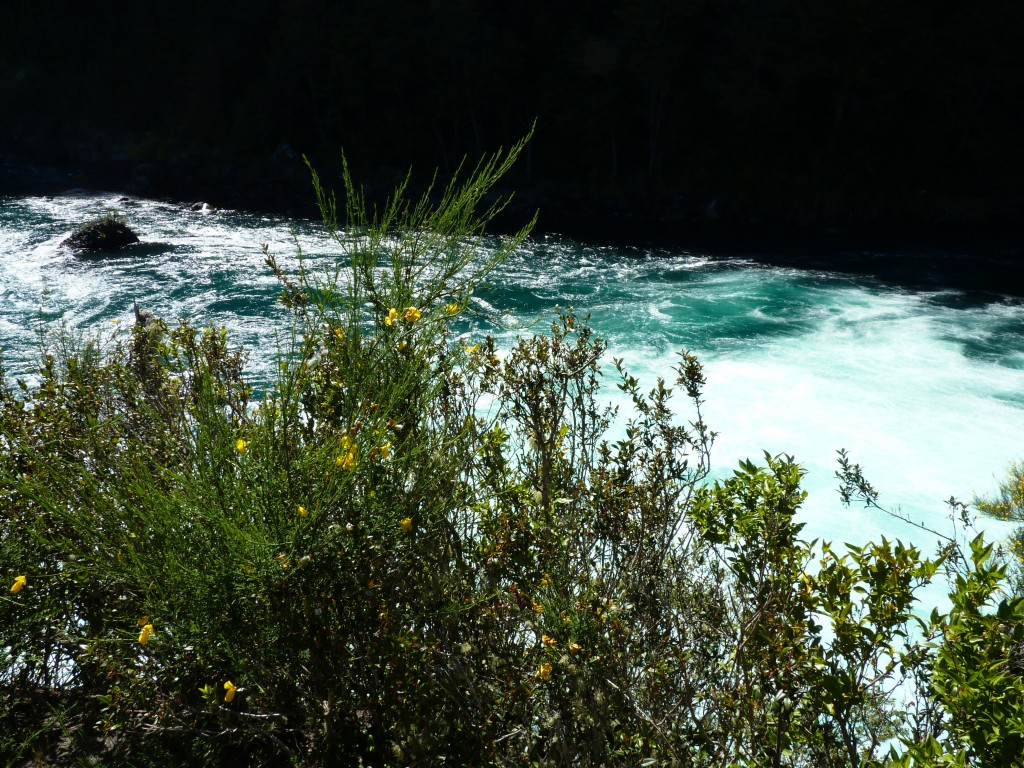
[924, 388]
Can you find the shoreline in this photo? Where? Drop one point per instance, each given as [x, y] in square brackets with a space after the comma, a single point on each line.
[910, 254]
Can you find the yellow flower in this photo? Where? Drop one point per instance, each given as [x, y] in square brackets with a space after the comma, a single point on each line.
[575, 648]
[231, 689]
[339, 333]
[19, 584]
[144, 621]
[549, 641]
[537, 607]
[240, 445]
[545, 580]
[303, 512]
[392, 316]
[473, 349]
[385, 450]
[545, 671]
[144, 635]
[347, 459]
[452, 308]
[412, 315]
[406, 524]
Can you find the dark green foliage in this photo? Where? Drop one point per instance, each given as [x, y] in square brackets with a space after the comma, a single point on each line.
[977, 674]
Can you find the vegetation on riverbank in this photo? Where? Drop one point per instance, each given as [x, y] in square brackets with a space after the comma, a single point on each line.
[1008, 504]
[417, 548]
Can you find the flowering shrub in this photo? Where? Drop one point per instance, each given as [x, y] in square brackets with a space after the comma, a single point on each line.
[1008, 504]
[370, 567]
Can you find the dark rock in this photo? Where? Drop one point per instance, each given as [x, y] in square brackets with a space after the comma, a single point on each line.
[143, 317]
[107, 234]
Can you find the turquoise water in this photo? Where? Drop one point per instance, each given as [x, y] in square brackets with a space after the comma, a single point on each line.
[925, 389]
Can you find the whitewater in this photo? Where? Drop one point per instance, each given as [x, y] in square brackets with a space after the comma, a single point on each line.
[924, 388]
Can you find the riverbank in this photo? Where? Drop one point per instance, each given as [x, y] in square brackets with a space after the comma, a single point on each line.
[913, 253]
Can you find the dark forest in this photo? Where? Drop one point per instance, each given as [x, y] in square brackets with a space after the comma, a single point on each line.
[827, 114]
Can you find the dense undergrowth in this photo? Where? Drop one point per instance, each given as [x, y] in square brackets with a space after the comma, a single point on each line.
[416, 549]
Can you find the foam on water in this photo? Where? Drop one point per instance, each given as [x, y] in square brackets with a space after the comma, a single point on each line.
[923, 391]
[926, 390]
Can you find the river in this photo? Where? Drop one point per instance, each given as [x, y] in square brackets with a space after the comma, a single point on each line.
[925, 388]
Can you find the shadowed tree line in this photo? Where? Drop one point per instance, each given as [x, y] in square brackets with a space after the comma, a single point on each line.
[810, 113]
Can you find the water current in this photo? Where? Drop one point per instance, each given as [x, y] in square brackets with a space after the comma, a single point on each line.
[925, 389]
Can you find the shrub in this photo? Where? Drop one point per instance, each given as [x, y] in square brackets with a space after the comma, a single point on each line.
[417, 549]
[109, 233]
[1008, 505]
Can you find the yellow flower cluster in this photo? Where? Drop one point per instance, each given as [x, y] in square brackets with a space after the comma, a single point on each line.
[410, 315]
[452, 308]
[549, 641]
[545, 671]
[347, 458]
[241, 445]
[406, 524]
[19, 584]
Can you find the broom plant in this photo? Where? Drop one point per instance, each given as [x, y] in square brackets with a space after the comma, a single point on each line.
[417, 549]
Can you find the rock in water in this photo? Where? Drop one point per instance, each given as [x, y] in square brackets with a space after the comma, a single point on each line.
[107, 234]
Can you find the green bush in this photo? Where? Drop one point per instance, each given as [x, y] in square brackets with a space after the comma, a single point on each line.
[1008, 505]
[416, 549]
[109, 233]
